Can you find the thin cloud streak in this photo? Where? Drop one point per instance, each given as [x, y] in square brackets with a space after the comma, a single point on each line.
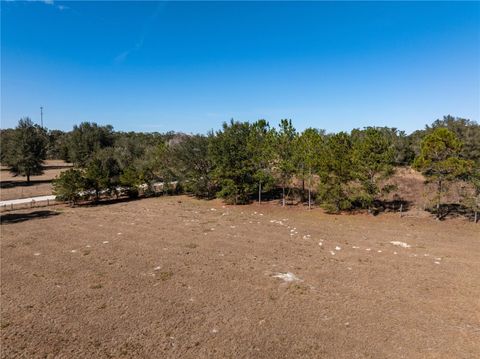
[145, 31]
[51, 3]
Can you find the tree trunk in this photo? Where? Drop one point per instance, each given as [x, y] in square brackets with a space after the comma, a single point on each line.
[259, 192]
[28, 178]
[283, 196]
[303, 188]
[310, 189]
[475, 220]
[439, 189]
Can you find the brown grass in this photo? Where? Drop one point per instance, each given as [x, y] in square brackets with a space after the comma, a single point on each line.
[145, 291]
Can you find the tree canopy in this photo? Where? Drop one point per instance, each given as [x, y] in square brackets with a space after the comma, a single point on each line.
[246, 161]
[439, 160]
[26, 150]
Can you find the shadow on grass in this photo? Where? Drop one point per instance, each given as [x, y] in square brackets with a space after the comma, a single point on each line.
[452, 210]
[13, 184]
[22, 217]
[109, 201]
[392, 206]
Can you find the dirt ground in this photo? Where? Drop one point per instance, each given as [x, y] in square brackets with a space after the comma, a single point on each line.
[13, 187]
[174, 277]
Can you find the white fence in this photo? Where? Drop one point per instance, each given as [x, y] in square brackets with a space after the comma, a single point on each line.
[32, 202]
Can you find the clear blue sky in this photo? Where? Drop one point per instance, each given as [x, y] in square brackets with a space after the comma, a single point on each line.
[148, 66]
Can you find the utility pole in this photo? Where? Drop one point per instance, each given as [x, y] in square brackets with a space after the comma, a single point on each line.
[41, 116]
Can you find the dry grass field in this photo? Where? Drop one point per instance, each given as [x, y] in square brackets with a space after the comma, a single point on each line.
[13, 187]
[174, 277]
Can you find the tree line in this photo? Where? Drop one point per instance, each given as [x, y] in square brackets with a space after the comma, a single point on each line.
[244, 162]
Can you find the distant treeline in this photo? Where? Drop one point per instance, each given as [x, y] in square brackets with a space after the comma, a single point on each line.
[244, 161]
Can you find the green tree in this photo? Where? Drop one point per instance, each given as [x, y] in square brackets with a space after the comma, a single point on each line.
[102, 173]
[234, 168]
[69, 185]
[128, 149]
[6, 144]
[467, 131]
[131, 178]
[27, 149]
[86, 139]
[439, 160]
[193, 166]
[57, 148]
[401, 143]
[260, 145]
[162, 164]
[335, 173]
[308, 149]
[284, 151]
[471, 196]
[372, 162]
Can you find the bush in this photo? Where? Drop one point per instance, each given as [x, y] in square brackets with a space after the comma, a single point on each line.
[69, 185]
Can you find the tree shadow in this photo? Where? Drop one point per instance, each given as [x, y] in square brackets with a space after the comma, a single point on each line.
[396, 205]
[109, 201]
[13, 184]
[22, 217]
[452, 210]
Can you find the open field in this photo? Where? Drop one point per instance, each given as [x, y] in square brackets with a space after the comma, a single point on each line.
[16, 187]
[174, 277]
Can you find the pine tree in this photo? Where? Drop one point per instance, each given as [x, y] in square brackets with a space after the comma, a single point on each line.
[260, 145]
[102, 173]
[69, 185]
[373, 157]
[439, 160]
[284, 150]
[471, 196]
[336, 173]
[234, 167]
[308, 149]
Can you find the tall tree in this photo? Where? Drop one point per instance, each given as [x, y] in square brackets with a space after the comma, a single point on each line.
[336, 174]
[471, 196]
[308, 151]
[285, 149]
[373, 158]
[234, 168]
[260, 145]
[27, 149]
[439, 160]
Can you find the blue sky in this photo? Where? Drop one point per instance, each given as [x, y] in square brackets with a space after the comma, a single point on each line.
[148, 66]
